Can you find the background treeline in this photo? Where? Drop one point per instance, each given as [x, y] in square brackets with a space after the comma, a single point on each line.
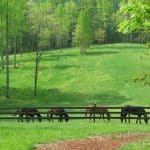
[51, 24]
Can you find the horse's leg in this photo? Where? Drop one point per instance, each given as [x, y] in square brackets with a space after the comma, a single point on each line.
[125, 118]
[90, 116]
[48, 116]
[121, 117]
[103, 116]
[99, 116]
[108, 116]
[51, 116]
[59, 118]
[32, 118]
[21, 118]
[137, 119]
[140, 118]
[129, 118]
[26, 118]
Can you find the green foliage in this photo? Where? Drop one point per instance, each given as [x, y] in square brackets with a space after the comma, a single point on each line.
[100, 35]
[83, 31]
[136, 15]
[148, 44]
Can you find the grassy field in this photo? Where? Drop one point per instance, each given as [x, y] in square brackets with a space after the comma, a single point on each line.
[105, 75]
[25, 136]
[140, 145]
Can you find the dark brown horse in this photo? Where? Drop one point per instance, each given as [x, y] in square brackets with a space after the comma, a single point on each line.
[98, 110]
[29, 114]
[133, 110]
[61, 113]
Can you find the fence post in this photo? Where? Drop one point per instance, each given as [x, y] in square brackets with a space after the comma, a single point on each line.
[94, 111]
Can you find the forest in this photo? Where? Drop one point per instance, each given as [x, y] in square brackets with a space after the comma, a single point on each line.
[41, 25]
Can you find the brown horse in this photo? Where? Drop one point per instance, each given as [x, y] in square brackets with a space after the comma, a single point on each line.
[98, 110]
[61, 113]
[29, 114]
[133, 110]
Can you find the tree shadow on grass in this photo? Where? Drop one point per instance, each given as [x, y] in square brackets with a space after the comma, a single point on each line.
[101, 53]
[56, 97]
[62, 67]
[110, 98]
[55, 57]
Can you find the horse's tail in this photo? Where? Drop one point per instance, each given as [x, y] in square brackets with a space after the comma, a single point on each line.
[86, 112]
[122, 115]
[18, 112]
[48, 115]
[39, 117]
[108, 115]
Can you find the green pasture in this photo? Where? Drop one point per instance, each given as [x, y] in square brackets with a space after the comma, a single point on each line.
[104, 75]
[109, 75]
[26, 136]
[139, 145]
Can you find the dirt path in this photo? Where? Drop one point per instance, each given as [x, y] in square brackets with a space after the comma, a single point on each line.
[113, 142]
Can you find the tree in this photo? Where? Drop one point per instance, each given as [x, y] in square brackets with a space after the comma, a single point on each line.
[39, 22]
[136, 15]
[100, 35]
[83, 31]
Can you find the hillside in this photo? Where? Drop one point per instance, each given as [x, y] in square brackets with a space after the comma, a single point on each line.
[113, 74]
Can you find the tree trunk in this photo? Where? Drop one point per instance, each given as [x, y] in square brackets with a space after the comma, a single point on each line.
[21, 51]
[2, 50]
[36, 72]
[15, 58]
[2, 58]
[7, 55]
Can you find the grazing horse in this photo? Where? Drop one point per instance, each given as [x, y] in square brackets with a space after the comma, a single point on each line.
[29, 113]
[98, 110]
[133, 110]
[57, 112]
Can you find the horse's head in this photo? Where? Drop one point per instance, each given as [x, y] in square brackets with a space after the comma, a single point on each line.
[123, 114]
[146, 118]
[67, 118]
[40, 119]
[16, 113]
[108, 116]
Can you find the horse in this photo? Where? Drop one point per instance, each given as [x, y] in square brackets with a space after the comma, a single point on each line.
[133, 110]
[29, 113]
[98, 110]
[57, 112]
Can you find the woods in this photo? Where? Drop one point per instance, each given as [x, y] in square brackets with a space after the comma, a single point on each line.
[41, 25]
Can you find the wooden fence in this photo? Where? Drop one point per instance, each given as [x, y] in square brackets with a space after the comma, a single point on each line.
[73, 112]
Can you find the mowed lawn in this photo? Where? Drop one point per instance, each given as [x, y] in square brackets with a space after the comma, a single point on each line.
[26, 136]
[105, 75]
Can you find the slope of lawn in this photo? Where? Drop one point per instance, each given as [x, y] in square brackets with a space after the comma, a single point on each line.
[105, 76]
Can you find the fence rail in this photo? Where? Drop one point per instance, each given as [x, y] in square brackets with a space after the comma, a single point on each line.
[77, 112]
